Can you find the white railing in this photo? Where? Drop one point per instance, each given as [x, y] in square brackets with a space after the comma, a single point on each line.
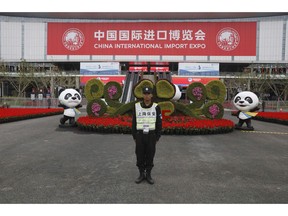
[273, 106]
[27, 102]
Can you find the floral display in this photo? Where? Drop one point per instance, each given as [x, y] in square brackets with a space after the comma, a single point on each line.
[17, 114]
[275, 117]
[181, 125]
[112, 90]
[213, 110]
[106, 116]
[197, 93]
[165, 89]
[216, 90]
[112, 93]
[94, 89]
[96, 108]
[137, 89]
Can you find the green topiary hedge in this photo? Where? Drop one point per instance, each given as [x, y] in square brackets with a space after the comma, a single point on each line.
[168, 106]
[197, 93]
[165, 89]
[94, 89]
[213, 110]
[206, 99]
[137, 90]
[96, 108]
[216, 90]
[112, 93]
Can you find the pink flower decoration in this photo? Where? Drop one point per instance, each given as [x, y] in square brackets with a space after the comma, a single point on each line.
[197, 92]
[214, 110]
[96, 108]
[112, 90]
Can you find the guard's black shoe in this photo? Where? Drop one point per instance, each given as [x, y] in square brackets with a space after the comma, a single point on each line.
[149, 178]
[140, 178]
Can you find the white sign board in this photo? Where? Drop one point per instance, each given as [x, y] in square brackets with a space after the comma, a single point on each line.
[198, 69]
[99, 68]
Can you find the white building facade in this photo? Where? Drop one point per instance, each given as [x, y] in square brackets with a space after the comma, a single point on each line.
[35, 40]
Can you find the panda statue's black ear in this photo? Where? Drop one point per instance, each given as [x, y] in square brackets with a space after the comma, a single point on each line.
[77, 90]
[61, 90]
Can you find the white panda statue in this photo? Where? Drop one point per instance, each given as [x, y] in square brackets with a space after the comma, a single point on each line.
[70, 99]
[247, 103]
[178, 93]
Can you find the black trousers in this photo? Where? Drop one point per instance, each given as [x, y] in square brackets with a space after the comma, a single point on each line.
[65, 118]
[241, 122]
[145, 150]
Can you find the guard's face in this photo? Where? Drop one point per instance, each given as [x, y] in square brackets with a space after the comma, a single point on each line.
[147, 96]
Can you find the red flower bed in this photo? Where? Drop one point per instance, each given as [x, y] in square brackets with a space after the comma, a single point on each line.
[16, 114]
[275, 117]
[171, 125]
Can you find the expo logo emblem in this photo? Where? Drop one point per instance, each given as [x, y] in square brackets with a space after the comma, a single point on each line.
[228, 39]
[73, 39]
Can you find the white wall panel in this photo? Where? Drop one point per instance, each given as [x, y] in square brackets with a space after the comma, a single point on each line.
[102, 57]
[149, 58]
[270, 41]
[221, 58]
[79, 57]
[125, 58]
[172, 58]
[286, 47]
[11, 41]
[57, 57]
[34, 41]
[196, 58]
[244, 58]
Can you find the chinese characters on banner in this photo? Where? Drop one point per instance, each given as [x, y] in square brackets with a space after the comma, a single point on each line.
[155, 38]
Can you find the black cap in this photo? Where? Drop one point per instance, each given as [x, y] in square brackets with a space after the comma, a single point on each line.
[147, 90]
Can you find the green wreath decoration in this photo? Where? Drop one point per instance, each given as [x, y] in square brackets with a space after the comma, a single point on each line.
[213, 110]
[125, 109]
[167, 105]
[165, 89]
[137, 90]
[216, 90]
[197, 93]
[96, 108]
[94, 89]
[112, 93]
[182, 108]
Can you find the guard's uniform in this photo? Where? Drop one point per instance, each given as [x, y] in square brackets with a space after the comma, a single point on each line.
[146, 131]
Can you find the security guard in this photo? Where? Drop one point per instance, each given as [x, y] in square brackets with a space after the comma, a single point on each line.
[146, 131]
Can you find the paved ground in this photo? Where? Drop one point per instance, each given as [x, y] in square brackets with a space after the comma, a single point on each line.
[41, 163]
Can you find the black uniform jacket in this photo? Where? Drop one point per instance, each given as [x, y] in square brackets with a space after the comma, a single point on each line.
[158, 126]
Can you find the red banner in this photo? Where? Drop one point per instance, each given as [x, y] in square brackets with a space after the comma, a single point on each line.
[159, 69]
[138, 69]
[185, 81]
[153, 38]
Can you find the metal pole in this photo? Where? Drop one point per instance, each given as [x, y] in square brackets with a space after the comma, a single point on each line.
[52, 87]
